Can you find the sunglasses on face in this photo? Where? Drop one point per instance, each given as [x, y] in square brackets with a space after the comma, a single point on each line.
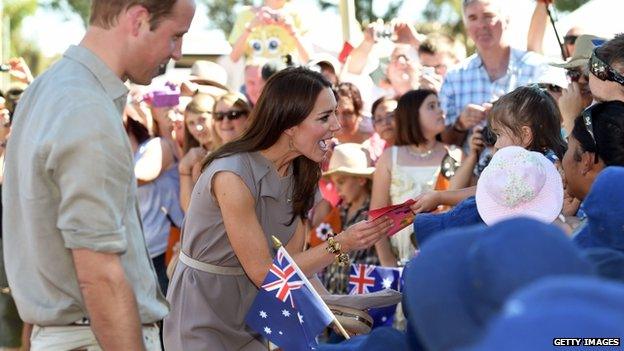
[570, 39]
[603, 71]
[575, 74]
[230, 115]
[587, 120]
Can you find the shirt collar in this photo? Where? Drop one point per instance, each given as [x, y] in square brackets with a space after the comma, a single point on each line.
[113, 85]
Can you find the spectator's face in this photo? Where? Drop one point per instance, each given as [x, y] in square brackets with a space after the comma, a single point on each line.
[431, 117]
[349, 188]
[253, 83]
[400, 68]
[580, 75]
[348, 117]
[484, 24]
[440, 61]
[228, 129]
[607, 90]
[154, 48]
[198, 125]
[383, 120]
[5, 124]
[572, 168]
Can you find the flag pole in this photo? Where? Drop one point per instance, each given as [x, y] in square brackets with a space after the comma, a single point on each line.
[277, 244]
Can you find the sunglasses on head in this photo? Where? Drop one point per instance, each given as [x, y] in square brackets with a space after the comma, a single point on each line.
[603, 71]
[231, 115]
[587, 120]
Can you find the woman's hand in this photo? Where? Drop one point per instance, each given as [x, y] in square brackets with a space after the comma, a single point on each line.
[426, 202]
[192, 157]
[364, 234]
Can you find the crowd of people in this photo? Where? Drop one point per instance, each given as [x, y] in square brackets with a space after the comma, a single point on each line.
[139, 214]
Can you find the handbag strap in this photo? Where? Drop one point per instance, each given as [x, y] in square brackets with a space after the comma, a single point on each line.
[209, 268]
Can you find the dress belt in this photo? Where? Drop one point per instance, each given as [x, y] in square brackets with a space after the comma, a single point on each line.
[209, 268]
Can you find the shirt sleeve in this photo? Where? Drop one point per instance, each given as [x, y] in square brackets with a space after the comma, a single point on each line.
[447, 100]
[91, 163]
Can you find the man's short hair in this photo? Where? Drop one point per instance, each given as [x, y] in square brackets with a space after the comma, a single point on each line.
[612, 52]
[104, 13]
[499, 4]
[439, 43]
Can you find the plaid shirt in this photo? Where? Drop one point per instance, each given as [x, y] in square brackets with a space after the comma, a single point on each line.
[336, 277]
[469, 83]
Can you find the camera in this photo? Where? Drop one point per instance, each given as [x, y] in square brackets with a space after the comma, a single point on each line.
[428, 71]
[489, 138]
[383, 30]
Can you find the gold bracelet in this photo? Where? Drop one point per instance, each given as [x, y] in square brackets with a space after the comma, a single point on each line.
[334, 247]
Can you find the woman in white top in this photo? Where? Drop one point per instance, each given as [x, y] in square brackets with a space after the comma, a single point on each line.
[410, 167]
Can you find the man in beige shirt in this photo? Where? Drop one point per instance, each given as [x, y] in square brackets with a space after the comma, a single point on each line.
[74, 249]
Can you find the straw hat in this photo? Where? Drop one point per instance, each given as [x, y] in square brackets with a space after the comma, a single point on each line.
[350, 159]
[583, 48]
[518, 182]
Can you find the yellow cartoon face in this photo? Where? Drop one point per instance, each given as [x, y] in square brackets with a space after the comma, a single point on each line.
[269, 41]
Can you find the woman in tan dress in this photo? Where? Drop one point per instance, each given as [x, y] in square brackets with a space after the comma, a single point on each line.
[259, 185]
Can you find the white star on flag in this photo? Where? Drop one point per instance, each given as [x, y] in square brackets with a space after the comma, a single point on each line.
[263, 314]
[285, 313]
[280, 333]
[300, 317]
[267, 330]
[387, 283]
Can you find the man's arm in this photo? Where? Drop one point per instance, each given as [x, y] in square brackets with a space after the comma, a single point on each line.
[109, 299]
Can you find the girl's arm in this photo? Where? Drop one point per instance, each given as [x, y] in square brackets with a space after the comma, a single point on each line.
[242, 226]
[464, 175]
[380, 197]
[158, 157]
[430, 201]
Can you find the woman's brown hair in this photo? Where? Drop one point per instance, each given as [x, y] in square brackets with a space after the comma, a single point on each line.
[287, 99]
[407, 117]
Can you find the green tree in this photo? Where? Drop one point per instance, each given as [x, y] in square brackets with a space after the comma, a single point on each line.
[222, 13]
[364, 10]
[80, 7]
[16, 11]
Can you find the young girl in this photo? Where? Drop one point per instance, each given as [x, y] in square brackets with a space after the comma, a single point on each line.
[349, 169]
[410, 167]
[198, 141]
[526, 117]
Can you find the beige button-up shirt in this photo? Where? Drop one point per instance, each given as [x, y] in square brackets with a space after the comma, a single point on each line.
[68, 184]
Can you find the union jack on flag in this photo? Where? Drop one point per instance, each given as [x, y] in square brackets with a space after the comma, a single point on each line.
[285, 280]
[361, 278]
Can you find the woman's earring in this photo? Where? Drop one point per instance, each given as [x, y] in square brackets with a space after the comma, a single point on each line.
[291, 144]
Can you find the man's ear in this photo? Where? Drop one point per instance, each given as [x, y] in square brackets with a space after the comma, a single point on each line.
[139, 19]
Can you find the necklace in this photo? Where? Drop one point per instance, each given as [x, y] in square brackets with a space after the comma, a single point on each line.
[420, 154]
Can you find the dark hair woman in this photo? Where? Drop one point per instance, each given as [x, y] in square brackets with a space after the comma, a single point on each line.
[261, 184]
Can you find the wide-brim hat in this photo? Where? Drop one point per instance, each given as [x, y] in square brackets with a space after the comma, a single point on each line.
[380, 339]
[209, 73]
[561, 307]
[519, 183]
[583, 48]
[462, 277]
[350, 159]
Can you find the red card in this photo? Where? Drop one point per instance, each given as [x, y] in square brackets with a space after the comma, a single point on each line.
[401, 214]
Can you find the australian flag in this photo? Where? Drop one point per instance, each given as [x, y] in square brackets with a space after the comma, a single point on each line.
[287, 310]
[365, 279]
